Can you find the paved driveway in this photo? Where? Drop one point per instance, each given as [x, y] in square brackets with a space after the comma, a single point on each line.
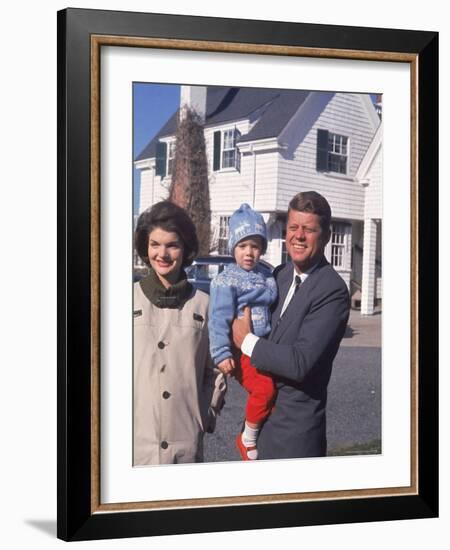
[354, 398]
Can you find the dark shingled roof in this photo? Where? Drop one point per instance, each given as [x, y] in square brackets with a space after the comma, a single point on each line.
[168, 129]
[270, 108]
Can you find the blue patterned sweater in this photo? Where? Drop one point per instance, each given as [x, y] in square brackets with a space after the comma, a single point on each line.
[231, 291]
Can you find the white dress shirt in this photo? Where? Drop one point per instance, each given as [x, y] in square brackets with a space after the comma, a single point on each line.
[250, 340]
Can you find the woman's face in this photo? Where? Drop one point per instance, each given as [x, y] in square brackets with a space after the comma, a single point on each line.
[165, 254]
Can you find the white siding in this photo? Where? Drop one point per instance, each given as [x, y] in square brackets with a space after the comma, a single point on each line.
[274, 244]
[345, 114]
[153, 189]
[224, 184]
[145, 193]
[254, 183]
[371, 175]
[260, 171]
[374, 191]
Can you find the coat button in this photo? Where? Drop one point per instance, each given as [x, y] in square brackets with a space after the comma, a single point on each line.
[166, 395]
[161, 345]
[164, 445]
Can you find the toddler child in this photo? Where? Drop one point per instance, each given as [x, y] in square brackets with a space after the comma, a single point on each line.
[239, 285]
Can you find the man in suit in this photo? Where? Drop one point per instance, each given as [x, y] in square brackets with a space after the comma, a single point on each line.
[308, 323]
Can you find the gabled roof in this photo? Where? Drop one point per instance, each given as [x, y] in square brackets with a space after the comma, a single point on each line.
[271, 109]
[168, 129]
[276, 114]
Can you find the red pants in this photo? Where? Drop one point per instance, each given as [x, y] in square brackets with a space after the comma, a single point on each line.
[261, 390]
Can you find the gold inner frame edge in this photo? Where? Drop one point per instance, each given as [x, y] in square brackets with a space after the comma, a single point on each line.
[97, 41]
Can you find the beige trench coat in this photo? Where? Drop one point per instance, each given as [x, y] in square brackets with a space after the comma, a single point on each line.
[176, 391]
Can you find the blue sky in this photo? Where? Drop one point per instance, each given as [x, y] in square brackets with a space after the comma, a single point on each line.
[153, 105]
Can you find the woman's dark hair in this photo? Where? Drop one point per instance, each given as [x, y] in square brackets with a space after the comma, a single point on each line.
[172, 218]
[313, 203]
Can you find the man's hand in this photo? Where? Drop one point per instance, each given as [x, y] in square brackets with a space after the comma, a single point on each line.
[227, 365]
[241, 327]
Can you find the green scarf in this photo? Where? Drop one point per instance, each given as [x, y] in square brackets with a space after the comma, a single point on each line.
[173, 297]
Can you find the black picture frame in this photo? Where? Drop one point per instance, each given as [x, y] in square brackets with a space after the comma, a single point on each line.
[79, 517]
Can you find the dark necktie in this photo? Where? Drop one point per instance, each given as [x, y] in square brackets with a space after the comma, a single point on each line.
[297, 284]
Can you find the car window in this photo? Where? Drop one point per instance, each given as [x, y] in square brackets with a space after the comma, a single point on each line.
[213, 270]
[202, 272]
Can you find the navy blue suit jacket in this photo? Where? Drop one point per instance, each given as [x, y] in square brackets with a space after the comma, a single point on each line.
[299, 353]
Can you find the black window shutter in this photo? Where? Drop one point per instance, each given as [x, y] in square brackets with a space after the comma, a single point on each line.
[161, 158]
[322, 151]
[216, 156]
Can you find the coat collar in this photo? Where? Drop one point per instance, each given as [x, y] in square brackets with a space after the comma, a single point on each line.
[284, 281]
[173, 297]
[287, 274]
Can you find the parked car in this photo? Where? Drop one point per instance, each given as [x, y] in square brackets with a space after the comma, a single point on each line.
[205, 268]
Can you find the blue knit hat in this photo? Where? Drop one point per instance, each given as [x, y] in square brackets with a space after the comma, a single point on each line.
[246, 222]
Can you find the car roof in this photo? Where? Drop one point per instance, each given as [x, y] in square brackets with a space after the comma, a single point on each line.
[222, 259]
[210, 259]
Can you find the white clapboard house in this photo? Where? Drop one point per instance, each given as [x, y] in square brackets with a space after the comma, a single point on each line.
[264, 146]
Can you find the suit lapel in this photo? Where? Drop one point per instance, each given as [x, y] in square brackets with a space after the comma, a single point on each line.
[283, 282]
[305, 287]
[294, 307]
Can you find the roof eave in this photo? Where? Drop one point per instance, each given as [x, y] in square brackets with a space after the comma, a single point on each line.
[259, 145]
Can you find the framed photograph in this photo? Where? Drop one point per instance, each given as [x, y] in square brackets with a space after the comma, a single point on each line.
[277, 109]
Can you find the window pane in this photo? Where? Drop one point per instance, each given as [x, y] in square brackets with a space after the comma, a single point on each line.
[228, 139]
[337, 163]
[338, 240]
[336, 255]
[228, 159]
[229, 151]
[337, 235]
[337, 153]
[223, 234]
[170, 156]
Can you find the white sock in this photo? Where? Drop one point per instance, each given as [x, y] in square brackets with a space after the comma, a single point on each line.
[249, 437]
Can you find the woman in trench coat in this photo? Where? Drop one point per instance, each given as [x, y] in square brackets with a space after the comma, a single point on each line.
[177, 393]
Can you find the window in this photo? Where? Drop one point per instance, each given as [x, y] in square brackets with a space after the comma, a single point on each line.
[224, 226]
[337, 153]
[332, 152]
[226, 154]
[170, 157]
[284, 255]
[165, 154]
[338, 238]
[229, 149]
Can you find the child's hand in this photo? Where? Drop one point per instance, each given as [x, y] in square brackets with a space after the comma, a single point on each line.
[241, 327]
[227, 365]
